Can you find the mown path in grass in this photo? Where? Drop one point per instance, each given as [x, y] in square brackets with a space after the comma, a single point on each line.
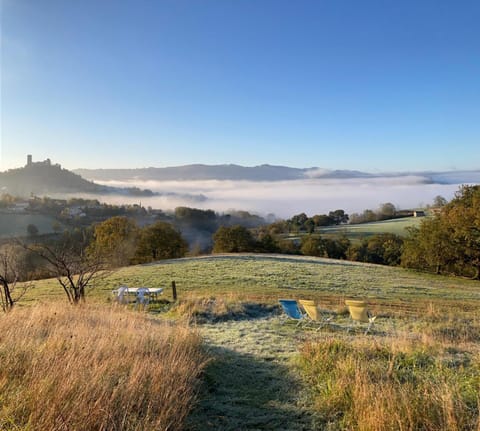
[252, 383]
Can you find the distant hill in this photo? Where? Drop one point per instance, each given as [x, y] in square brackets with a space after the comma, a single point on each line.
[42, 178]
[216, 172]
[264, 173]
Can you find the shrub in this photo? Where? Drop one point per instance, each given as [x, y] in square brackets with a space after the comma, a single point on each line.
[235, 239]
[313, 246]
[159, 241]
[115, 239]
[32, 230]
[383, 249]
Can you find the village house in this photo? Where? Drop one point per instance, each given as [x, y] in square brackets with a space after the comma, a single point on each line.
[419, 213]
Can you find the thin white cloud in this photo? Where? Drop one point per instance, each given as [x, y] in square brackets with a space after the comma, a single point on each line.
[317, 172]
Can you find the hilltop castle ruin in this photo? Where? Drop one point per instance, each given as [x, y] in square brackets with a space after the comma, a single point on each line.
[46, 162]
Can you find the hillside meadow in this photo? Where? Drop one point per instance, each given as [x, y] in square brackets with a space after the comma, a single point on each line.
[419, 368]
[355, 232]
[15, 225]
[269, 277]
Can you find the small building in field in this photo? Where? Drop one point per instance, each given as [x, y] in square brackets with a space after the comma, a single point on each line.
[19, 207]
[404, 213]
[73, 212]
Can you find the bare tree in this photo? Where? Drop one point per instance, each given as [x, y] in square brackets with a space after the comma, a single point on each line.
[10, 274]
[74, 268]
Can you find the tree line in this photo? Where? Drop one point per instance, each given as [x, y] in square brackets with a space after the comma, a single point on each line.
[450, 242]
[384, 249]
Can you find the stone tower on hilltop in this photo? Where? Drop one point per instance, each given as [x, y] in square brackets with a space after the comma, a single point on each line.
[46, 162]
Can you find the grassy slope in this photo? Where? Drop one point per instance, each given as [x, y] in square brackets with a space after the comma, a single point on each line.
[357, 231]
[252, 382]
[16, 224]
[273, 276]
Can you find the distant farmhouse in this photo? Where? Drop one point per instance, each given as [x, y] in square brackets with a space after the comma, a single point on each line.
[72, 212]
[19, 207]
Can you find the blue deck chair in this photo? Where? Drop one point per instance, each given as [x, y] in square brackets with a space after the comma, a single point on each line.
[292, 310]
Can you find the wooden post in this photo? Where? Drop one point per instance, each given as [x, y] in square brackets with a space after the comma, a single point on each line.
[174, 290]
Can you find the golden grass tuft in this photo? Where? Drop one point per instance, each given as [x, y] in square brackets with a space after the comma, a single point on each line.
[93, 367]
[398, 384]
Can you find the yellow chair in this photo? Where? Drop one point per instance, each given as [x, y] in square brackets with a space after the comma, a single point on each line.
[359, 313]
[314, 313]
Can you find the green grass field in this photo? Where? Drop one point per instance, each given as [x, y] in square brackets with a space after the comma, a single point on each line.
[16, 224]
[358, 231]
[274, 276]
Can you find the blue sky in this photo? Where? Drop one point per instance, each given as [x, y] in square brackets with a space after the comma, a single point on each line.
[369, 85]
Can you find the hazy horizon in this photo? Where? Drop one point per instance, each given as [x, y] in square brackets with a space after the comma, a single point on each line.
[263, 193]
[321, 169]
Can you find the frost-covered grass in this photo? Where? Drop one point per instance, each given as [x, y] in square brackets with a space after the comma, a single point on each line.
[269, 277]
[415, 372]
[252, 382]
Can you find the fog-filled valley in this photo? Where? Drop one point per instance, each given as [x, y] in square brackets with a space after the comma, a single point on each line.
[285, 198]
[263, 190]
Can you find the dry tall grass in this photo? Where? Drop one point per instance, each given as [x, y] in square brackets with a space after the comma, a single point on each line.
[95, 368]
[401, 385]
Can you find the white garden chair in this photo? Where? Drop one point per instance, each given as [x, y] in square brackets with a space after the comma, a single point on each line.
[121, 295]
[143, 297]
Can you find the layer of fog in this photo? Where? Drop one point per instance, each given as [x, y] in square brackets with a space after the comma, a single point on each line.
[286, 198]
